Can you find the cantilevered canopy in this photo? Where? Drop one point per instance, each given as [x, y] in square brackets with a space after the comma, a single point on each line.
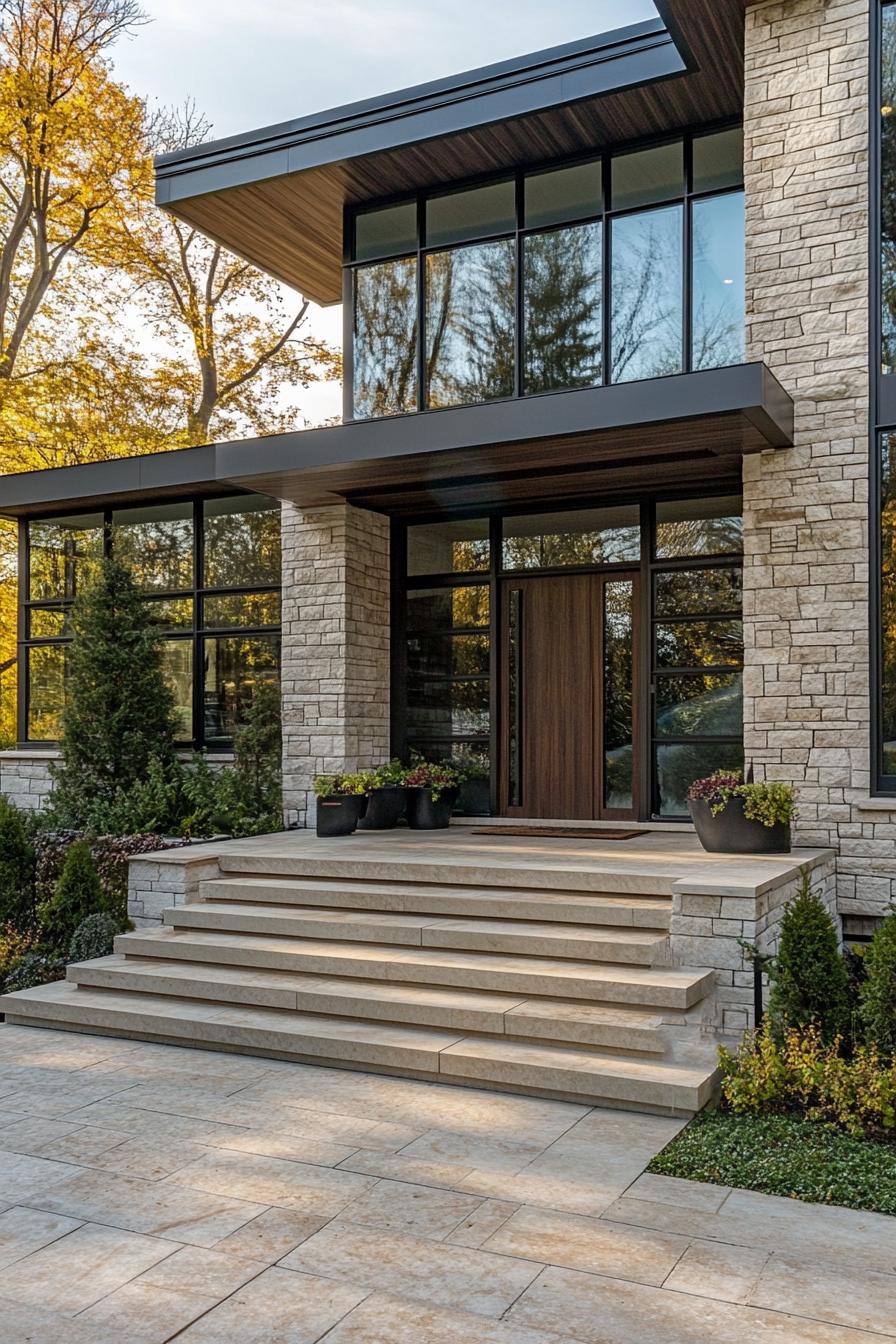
[276, 196]
[686, 431]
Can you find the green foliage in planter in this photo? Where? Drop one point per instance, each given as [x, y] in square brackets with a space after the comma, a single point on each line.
[119, 715]
[390, 776]
[79, 893]
[877, 994]
[769, 802]
[349, 785]
[809, 979]
[94, 937]
[783, 1155]
[16, 868]
[437, 776]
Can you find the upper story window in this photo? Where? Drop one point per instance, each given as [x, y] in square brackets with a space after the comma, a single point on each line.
[603, 271]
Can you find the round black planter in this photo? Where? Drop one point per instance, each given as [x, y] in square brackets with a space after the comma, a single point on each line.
[338, 814]
[475, 798]
[426, 815]
[384, 807]
[732, 833]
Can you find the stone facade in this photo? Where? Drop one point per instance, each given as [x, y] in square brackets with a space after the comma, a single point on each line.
[807, 701]
[25, 778]
[336, 637]
[165, 878]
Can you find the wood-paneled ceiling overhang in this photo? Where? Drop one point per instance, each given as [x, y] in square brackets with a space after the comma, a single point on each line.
[276, 196]
[682, 432]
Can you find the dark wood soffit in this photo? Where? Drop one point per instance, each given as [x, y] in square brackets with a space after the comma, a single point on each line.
[709, 449]
[291, 225]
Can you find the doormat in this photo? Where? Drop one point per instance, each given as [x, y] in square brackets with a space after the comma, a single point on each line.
[560, 832]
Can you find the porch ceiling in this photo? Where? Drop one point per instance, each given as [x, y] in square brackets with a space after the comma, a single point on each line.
[276, 195]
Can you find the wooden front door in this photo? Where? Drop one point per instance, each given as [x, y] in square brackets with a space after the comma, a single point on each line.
[568, 696]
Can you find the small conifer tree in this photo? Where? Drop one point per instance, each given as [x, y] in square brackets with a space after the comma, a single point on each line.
[119, 709]
[809, 979]
[78, 894]
[878, 993]
[16, 868]
[256, 752]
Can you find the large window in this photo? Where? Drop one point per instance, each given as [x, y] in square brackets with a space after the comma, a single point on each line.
[567, 276]
[888, 188]
[210, 572]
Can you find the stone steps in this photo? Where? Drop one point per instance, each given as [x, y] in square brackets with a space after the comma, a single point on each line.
[524, 937]
[633, 1029]
[557, 907]
[574, 1073]
[657, 987]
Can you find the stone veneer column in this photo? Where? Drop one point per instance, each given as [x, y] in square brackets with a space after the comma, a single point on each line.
[335, 661]
[807, 708]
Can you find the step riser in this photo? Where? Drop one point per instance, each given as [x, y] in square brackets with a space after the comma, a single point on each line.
[615, 948]
[514, 1023]
[570, 986]
[652, 913]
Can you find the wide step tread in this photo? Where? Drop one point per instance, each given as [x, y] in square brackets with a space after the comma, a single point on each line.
[639, 946]
[415, 898]
[421, 1005]
[584, 1074]
[529, 975]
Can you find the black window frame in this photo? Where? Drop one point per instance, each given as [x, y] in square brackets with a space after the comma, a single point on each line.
[196, 634]
[604, 217]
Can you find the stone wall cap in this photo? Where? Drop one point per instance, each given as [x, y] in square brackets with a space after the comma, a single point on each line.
[876, 805]
[34, 754]
[759, 873]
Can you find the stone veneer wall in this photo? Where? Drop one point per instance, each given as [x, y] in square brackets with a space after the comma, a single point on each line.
[807, 704]
[25, 778]
[335, 661]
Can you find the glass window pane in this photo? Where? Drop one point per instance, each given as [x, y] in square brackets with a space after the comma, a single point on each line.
[235, 609]
[470, 324]
[472, 213]
[648, 175]
[48, 622]
[719, 160]
[47, 671]
[444, 609]
[888, 188]
[580, 537]
[234, 665]
[443, 655]
[888, 602]
[177, 664]
[386, 232]
[384, 360]
[448, 548]
[447, 708]
[242, 541]
[698, 592]
[719, 301]
[157, 544]
[172, 613]
[562, 305]
[700, 644]
[564, 194]
[64, 554]
[618, 697]
[700, 706]
[678, 765]
[647, 295]
[699, 527]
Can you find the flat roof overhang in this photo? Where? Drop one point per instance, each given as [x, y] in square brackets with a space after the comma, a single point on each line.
[688, 431]
[276, 196]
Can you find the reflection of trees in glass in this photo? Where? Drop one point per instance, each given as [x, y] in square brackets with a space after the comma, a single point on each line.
[695, 706]
[46, 691]
[689, 527]
[718, 282]
[888, 603]
[233, 667]
[698, 592]
[570, 545]
[888, 187]
[63, 557]
[385, 339]
[562, 297]
[448, 671]
[700, 644]
[159, 552]
[470, 324]
[242, 544]
[618, 694]
[647, 295]
[679, 764]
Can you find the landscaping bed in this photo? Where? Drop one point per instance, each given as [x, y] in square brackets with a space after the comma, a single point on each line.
[784, 1155]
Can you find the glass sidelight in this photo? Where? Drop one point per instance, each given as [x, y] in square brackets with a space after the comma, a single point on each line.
[618, 790]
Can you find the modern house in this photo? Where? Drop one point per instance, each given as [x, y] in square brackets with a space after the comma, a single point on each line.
[612, 505]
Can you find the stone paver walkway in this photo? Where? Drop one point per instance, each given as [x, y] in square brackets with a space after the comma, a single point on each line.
[149, 1193]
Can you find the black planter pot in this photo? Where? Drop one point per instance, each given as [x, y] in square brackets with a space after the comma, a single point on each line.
[475, 798]
[426, 815]
[732, 833]
[338, 814]
[384, 808]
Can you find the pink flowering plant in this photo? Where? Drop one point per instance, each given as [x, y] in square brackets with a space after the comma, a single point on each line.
[437, 776]
[769, 801]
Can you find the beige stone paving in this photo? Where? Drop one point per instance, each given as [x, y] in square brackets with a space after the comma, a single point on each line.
[150, 1193]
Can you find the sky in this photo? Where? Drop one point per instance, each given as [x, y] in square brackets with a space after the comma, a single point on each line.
[251, 65]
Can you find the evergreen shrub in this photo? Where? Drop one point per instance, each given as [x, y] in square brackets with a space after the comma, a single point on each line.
[810, 984]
